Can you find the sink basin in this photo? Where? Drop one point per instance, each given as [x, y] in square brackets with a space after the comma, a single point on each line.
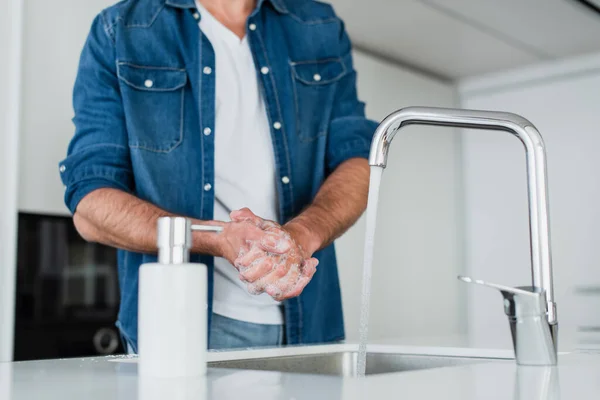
[344, 363]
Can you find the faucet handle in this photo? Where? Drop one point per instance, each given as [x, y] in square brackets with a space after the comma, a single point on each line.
[525, 306]
[523, 301]
[502, 288]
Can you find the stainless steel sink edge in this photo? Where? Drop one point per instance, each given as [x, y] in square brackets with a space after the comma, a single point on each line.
[344, 363]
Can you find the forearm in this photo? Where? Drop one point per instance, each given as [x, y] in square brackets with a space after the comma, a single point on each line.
[119, 219]
[338, 205]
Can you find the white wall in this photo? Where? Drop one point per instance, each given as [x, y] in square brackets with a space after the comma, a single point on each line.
[10, 46]
[418, 239]
[5, 320]
[52, 44]
[562, 100]
[5, 49]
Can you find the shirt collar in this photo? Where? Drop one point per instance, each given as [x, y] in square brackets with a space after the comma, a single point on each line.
[279, 5]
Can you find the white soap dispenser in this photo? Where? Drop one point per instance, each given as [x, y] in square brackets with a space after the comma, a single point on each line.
[172, 307]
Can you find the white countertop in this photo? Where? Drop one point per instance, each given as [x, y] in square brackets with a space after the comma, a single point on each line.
[576, 377]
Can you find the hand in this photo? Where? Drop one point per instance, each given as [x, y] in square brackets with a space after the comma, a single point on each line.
[282, 273]
[238, 238]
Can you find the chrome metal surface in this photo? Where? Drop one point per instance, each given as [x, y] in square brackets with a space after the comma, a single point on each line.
[206, 228]
[525, 131]
[174, 240]
[537, 383]
[532, 336]
[345, 363]
[502, 288]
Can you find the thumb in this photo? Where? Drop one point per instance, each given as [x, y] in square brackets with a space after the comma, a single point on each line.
[275, 243]
[245, 214]
[309, 267]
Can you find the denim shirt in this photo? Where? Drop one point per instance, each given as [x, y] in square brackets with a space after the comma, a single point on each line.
[144, 102]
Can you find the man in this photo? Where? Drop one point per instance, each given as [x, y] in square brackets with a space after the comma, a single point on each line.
[221, 109]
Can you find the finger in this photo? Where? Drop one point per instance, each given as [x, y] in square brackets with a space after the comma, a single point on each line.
[257, 286]
[286, 283]
[276, 243]
[277, 287]
[281, 268]
[300, 285]
[241, 234]
[254, 289]
[270, 225]
[259, 268]
[245, 214]
[308, 271]
[252, 233]
[296, 290]
[269, 282]
[242, 214]
[250, 238]
[309, 267]
[247, 258]
[277, 271]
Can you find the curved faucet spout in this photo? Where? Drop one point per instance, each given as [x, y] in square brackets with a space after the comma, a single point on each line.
[541, 262]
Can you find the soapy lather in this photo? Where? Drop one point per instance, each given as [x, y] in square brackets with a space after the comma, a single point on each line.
[273, 264]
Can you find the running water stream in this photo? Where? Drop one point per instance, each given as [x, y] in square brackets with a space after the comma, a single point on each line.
[374, 182]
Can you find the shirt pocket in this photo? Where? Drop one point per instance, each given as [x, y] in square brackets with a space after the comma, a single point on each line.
[314, 84]
[153, 102]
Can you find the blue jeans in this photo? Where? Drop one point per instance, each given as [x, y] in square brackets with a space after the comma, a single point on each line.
[227, 333]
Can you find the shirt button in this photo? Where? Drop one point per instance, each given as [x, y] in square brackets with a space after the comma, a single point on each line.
[207, 70]
[277, 125]
[148, 83]
[207, 131]
[264, 70]
[252, 27]
[285, 180]
[62, 168]
[317, 77]
[207, 187]
[196, 15]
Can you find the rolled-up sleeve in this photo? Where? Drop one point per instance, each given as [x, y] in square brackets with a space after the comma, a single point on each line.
[98, 155]
[350, 132]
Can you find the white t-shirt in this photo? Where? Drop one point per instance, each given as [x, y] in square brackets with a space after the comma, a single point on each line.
[244, 164]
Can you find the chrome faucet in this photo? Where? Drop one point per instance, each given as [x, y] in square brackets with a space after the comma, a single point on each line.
[531, 310]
